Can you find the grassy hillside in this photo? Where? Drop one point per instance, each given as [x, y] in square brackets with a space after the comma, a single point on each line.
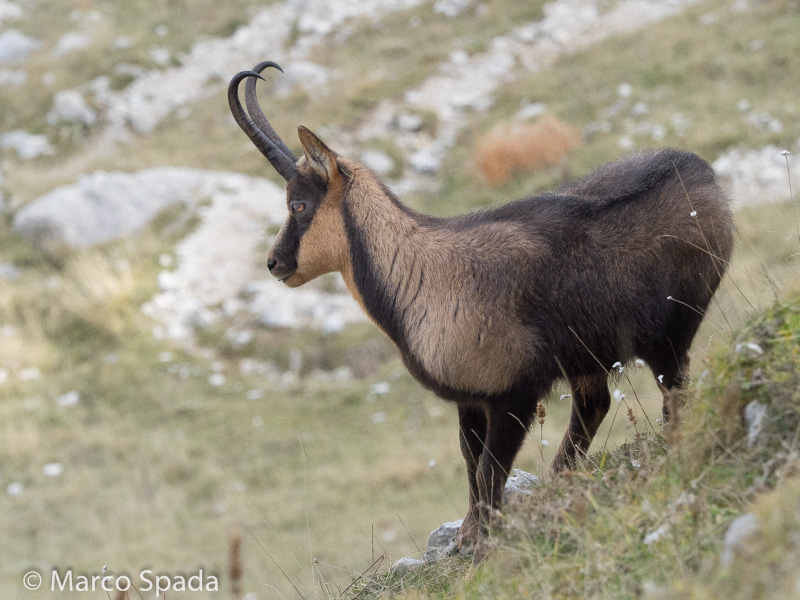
[649, 519]
[319, 450]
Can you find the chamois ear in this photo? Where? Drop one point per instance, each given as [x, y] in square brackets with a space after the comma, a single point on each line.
[320, 158]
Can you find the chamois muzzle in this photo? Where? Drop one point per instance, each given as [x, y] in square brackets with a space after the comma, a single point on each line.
[256, 125]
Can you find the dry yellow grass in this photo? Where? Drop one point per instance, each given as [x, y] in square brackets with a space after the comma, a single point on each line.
[510, 148]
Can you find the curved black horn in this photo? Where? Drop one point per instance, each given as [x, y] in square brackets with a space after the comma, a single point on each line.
[255, 112]
[284, 165]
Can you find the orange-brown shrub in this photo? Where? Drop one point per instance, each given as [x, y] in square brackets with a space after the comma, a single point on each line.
[509, 148]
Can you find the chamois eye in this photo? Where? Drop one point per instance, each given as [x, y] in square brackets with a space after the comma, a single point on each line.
[298, 207]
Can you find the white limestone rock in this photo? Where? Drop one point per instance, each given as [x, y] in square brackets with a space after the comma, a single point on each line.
[739, 531]
[441, 542]
[519, 486]
[406, 564]
[16, 47]
[69, 106]
[26, 145]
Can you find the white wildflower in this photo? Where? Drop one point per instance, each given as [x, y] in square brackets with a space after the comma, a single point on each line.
[618, 395]
[563, 396]
[785, 153]
[660, 379]
[431, 463]
[693, 213]
[639, 363]
[636, 464]
[545, 443]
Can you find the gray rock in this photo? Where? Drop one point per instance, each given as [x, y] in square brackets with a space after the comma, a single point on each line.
[305, 74]
[739, 531]
[15, 46]
[530, 111]
[750, 349]
[70, 42]
[378, 161]
[451, 8]
[757, 176]
[121, 43]
[70, 107]
[104, 206]
[755, 414]
[405, 565]
[9, 11]
[407, 121]
[8, 271]
[26, 145]
[441, 542]
[519, 486]
[211, 275]
[13, 77]
[425, 162]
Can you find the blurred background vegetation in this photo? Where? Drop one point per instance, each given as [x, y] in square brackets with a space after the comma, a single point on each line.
[124, 447]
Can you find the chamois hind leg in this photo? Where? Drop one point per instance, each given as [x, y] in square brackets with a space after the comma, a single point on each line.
[472, 437]
[506, 428]
[673, 377]
[590, 404]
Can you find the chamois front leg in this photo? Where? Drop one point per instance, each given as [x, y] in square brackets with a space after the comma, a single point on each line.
[472, 437]
[506, 428]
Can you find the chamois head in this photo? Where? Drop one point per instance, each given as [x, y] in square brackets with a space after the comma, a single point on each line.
[312, 240]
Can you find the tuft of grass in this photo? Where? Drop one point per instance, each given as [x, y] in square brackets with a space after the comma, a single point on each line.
[518, 147]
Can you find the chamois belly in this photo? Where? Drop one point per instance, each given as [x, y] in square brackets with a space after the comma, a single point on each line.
[477, 354]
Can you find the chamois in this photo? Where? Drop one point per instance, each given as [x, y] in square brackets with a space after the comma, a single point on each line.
[491, 308]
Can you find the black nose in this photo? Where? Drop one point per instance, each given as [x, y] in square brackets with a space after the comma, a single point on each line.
[271, 262]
